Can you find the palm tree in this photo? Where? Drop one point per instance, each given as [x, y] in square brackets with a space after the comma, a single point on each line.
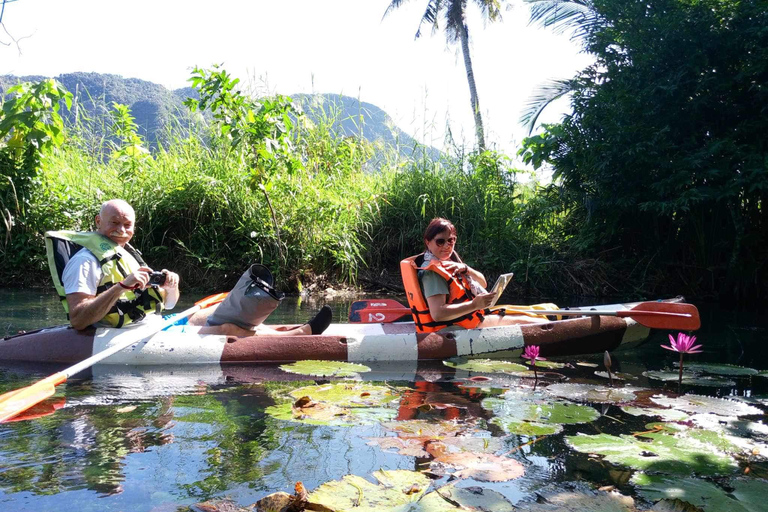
[577, 16]
[452, 12]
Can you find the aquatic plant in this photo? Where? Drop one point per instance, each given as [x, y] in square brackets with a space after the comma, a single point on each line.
[532, 353]
[683, 345]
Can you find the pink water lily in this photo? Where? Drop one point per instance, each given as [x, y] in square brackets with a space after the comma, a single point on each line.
[684, 344]
[532, 352]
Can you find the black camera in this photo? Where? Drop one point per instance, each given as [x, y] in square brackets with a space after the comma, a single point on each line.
[157, 278]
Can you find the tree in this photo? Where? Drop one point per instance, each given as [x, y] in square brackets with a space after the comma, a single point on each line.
[665, 149]
[453, 13]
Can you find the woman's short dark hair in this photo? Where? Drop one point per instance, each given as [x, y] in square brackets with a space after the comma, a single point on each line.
[437, 226]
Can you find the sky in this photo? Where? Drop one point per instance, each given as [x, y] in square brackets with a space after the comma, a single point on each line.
[306, 46]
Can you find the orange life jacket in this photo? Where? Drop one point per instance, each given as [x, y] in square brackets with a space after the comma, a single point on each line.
[459, 291]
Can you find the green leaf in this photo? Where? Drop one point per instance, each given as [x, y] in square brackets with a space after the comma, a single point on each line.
[486, 366]
[325, 368]
[397, 489]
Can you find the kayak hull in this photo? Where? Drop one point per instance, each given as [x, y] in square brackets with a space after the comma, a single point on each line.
[341, 342]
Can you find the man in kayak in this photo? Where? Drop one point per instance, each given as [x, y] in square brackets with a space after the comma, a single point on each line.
[110, 285]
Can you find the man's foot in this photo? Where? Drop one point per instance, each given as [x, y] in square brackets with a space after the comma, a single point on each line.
[321, 320]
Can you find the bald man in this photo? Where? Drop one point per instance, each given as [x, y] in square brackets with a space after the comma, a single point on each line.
[83, 274]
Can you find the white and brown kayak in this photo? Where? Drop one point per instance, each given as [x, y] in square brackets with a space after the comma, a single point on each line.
[377, 342]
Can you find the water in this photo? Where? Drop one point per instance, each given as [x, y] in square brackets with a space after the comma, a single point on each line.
[155, 439]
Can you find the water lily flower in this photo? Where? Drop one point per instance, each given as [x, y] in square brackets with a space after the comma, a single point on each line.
[683, 345]
[532, 352]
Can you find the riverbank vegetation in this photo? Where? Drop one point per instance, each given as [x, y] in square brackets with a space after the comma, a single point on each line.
[661, 176]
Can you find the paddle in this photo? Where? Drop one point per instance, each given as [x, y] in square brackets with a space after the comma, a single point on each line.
[656, 315]
[18, 401]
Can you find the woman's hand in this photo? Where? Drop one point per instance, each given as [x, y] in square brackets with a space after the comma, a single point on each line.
[455, 267]
[483, 300]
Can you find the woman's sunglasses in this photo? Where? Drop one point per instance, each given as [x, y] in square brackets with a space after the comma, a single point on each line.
[441, 241]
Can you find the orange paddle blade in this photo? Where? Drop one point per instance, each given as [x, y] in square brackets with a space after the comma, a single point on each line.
[16, 402]
[665, 315]
[211, 300]
[378, 311]
[44, 408]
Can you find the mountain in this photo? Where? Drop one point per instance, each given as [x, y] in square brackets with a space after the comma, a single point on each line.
[157, 110]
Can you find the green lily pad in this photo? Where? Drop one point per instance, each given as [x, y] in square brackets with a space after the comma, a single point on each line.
[690, 379]
[486, 365]
[667, 376]
[678, 454]
[762, 373]
[396, 489]
[341, 403]
[526, 428]
[750, 492]
[325, 368]
[699, 404]
[551, 413]
[699, 493]
[592, 393]
[664, 414]
[579, 498]
[472, 498]
[552, 365]
[731, 370]
[616, 376]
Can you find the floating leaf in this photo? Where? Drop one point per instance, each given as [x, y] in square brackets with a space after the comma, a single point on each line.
[579, 499]
[325, 368]
[698, 493]
[750, 492]
[552, 365]
[484, 467]
[587, 365]
[699, 404]
[664, 414]
[616, 375]
[485, 365]
[731, 370]
[338, 404]
[690, 379]
[397, 488]
[425, 429]
[679, 454]
[449, 497]
[536, 419]
[592, 393]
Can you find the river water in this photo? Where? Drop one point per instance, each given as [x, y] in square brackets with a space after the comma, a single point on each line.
[161, 439]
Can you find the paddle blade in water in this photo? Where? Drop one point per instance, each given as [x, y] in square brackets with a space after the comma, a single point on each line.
[378, 311]
[16, 402]
[665, 315]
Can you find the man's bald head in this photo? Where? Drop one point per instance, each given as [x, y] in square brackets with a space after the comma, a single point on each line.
[116, 221]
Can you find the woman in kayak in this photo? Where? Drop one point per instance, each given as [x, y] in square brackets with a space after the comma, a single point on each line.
[453, 291]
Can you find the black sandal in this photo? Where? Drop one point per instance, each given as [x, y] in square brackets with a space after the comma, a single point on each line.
[321, 320]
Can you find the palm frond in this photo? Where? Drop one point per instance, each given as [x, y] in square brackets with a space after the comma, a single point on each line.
[577, 16]
[544, 95]
[430, 17]
[489, 9]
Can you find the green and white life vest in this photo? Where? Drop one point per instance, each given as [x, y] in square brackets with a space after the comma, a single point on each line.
[116, 264]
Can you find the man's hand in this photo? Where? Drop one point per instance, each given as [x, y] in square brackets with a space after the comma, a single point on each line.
[171, 279]
[140, 278]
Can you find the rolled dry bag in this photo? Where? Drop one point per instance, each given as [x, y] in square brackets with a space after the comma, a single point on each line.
[250, 302]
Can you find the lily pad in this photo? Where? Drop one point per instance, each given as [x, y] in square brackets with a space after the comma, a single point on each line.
[699, 404]
[484, 467]
[338, 404]
[699, 493]
[750, 492]
[397, 488]
[664, 414]
[486, 365]
[731, 370]
[678, 454]
[579, 499]
[552, 365]
[690, 379]
[325, 368]
[536, 419]
[592, 393]
[616, 376]
[464, 498]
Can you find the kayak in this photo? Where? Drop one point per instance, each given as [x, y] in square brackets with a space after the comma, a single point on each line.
[352, 342]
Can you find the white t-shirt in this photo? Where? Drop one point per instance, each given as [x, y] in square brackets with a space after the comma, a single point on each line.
[82, 273]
